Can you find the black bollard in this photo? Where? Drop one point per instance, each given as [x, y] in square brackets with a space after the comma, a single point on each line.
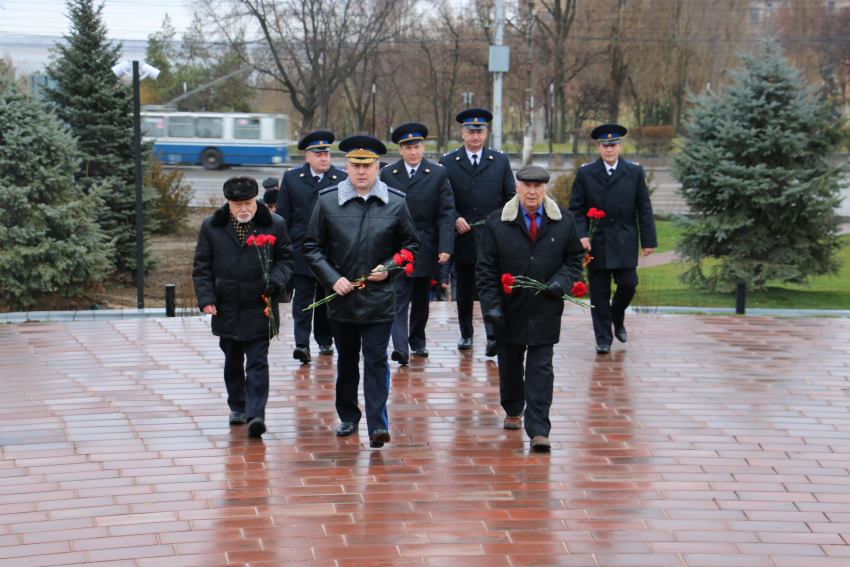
[741, 299]
[169, 300]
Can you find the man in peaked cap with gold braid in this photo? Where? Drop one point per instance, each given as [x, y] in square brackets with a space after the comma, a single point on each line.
[356, 229]
[299, 191]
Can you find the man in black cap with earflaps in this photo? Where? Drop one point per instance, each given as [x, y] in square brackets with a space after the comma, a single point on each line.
[230, 286]
[618, 188]
[482, 181]
[531, 236]
[356, 229]
[299, 191]
[431, 203]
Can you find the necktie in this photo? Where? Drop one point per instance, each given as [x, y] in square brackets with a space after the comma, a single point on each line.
[610, 172]
[532, 226]
[412, 171]
[474, 162]
[316, 179]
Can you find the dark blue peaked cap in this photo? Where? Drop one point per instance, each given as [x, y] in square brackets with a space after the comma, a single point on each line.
[474, 118]
[318, 141]
[609, 134]
[410, 133]
[362, 149]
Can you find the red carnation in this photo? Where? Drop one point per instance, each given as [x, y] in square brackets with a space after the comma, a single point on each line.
[506, 288]
[508, 280]
[398, 259]
[250, 241]
[408, 269]
[433, 282]
[406, 254]
[595, 213]
[579, 289]
[270, 240]
[261, 240]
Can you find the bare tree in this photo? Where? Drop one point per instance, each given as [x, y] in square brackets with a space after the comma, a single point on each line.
[310, 48]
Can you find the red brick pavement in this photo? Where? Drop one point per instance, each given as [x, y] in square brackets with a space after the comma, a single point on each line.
[706, 441]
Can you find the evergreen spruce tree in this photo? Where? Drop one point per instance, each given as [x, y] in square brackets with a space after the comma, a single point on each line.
[757, 174]
[49, 240]
[98, 107]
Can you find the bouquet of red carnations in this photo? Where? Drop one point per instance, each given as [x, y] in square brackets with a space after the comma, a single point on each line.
[397, 263]
[594, 215]
[265, 253]
[510, 283]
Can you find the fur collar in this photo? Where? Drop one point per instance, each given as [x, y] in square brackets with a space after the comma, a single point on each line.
[346, 192]
[222, 216]
[511, 210]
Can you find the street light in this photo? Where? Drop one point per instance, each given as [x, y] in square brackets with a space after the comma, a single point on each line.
[126, 69]
[467, 98]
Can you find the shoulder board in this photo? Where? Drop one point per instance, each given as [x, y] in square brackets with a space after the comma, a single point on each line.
[633, 162]
[586, 164]
[290, 169]
[396, 191]
[441, 165]
[328, 190]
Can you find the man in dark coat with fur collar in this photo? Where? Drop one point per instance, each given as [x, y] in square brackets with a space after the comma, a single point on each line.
[533, 237]
[230, 286]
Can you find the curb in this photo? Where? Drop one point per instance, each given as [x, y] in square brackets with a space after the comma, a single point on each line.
[756, 312]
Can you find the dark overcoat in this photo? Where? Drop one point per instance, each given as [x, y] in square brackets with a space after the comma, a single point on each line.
[350, 240]
[230, 275]
[477, 194]
[431, 204]
[628, 224]
[296, 201]
[555, 255]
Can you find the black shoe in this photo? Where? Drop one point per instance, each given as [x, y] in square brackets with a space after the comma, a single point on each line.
[378, 437]
[491, 347]
[620, 333]
[302, 353]
[421, 351]
[257, 427]
[464, 343]
[346, 428]
[327, 350]
[603, 349]
[401, 357]
[237, 418]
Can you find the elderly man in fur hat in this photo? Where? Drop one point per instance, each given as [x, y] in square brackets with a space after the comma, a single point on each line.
[534, 237]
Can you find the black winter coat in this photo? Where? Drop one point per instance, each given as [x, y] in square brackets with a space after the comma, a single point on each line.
[230, 275]
[296, 201]
[624, 197]
[431, 204]
[477, 194]
[350, 241]
[555, 255]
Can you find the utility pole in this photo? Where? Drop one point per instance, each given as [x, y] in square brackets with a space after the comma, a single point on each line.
[528, 139]
[498, 67]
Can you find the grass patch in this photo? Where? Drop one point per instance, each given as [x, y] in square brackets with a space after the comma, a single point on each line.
[667, 235]
[659, 285]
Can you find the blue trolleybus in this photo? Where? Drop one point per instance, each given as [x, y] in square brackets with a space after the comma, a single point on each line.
[217, 139]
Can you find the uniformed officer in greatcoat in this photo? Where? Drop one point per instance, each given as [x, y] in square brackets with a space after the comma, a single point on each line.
[356, 229]
[431, 203]
[482, 181]
[618, 188]
[299, 191]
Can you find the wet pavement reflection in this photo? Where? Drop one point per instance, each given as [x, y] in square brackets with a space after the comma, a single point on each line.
[704, 441]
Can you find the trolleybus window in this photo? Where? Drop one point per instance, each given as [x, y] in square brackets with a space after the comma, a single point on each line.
[280, 129]
[246, 128]
[181, 127]
[154, 126]
[207, 127]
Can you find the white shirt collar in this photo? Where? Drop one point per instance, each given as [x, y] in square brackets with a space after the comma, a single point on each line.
[314, 174]
[609, 168]
[469, 154]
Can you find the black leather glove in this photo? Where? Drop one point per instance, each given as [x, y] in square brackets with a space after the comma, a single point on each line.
[554, 290]
[495, 317]
[273, 290]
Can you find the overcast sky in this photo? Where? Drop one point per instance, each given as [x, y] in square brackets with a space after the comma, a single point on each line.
[29, 27]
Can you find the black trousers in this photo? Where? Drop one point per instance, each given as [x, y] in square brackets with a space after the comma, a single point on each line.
[248, 385]
[607, 311]
[372, 339]
[534, 393]
[415, 293]
[308, 290]
[466, 299]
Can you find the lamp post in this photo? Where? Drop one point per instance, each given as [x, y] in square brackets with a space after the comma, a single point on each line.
[138, 72]
[374, 111]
